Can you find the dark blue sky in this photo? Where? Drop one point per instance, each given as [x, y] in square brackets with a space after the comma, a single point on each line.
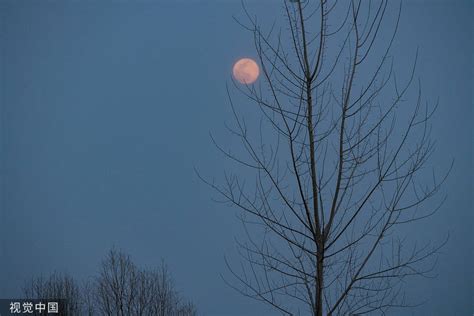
[106, 108]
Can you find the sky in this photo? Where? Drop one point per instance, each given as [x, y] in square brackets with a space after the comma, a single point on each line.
[106, 108]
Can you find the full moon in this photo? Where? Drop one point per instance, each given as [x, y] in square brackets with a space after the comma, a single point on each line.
[246, 71]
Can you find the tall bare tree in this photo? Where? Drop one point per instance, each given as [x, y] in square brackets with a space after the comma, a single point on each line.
[339, 162]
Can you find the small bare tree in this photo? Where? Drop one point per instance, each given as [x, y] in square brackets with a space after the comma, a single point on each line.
[56, 286]
[120, 289]
[124, 289]
[89, 303]
[117, 285]
[338, 157]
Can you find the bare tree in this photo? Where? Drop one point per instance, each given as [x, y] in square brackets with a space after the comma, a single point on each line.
[124, 289]
[121, 288]
[117, 285]
[165, 298]
[56, 286]
[89, 303]
[339, 162]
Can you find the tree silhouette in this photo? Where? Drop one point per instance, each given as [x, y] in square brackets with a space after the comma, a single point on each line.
[339, 160]
[124, 289]
[121, 288]
[56, 286]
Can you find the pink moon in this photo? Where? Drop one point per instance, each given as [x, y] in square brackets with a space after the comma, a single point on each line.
[246, 71]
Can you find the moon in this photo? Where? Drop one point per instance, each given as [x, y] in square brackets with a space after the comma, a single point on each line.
[246, 71]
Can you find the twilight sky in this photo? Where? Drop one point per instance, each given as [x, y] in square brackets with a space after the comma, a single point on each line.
[106, 108]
